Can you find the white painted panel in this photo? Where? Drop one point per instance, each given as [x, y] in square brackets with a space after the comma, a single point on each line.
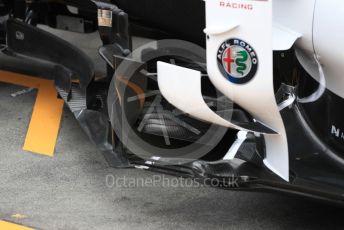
[256, 96]
[182, 88]
[329, 42]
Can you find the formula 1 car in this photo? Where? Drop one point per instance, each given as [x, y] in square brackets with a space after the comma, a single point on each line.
[244, 91]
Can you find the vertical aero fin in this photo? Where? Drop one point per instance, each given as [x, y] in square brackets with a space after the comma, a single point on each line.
[240, 65]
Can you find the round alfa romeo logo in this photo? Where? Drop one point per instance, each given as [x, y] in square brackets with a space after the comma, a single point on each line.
[237, 60]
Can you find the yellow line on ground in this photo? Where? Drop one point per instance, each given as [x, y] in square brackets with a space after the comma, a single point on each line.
[9, 226]
[46, 116]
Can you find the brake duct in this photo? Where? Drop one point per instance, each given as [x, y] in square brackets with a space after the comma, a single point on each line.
[182, 87]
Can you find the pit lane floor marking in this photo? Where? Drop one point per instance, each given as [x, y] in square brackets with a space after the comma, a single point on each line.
[9, 226]
[46, 117]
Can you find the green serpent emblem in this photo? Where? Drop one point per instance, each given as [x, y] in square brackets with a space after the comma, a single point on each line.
[240, 61]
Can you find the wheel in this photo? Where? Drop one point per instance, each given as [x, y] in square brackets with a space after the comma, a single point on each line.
[151, 128]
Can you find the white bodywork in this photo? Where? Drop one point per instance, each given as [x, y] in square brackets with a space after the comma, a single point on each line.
[321, 24]
[257, 96]
[267, 26]
[189, 98]
[329, 42]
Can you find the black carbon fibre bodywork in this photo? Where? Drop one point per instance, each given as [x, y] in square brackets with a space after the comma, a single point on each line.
[69, 63]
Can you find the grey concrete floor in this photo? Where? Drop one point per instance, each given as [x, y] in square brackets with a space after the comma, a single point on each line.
[69, 191]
